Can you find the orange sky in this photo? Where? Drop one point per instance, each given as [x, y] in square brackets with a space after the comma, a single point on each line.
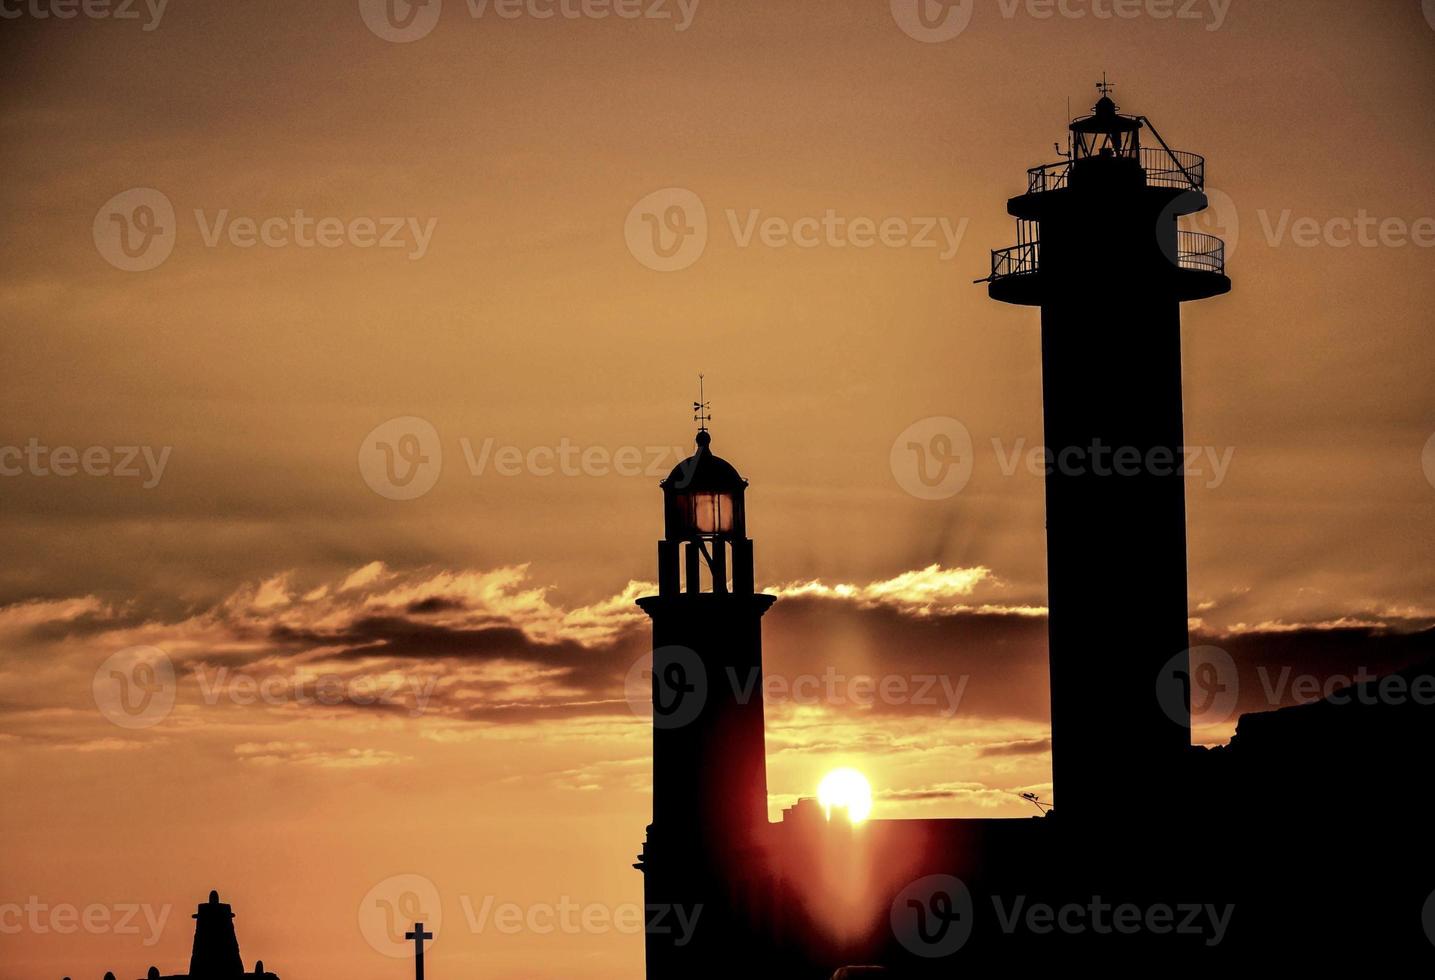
[522, 310]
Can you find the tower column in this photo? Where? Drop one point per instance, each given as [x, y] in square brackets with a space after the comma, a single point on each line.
[705, 847]
[1109, 271]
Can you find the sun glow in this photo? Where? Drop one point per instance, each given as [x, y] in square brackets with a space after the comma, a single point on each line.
[848, 790]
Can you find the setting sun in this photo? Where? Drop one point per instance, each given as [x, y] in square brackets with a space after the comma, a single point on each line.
[846, 789]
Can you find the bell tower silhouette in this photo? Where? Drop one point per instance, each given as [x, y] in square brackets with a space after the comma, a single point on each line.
[709, 750]
[1099, 251]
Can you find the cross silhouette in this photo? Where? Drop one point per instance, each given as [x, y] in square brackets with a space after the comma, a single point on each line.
[418, 936]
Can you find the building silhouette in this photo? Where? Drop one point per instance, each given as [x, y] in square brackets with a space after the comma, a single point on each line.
[215, 954]
[1269, 838]
[1100, 253]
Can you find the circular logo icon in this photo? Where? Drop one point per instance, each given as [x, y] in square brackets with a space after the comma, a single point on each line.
[669, 685]
[932, 459]
[135, 688]
[1200, 684]
[1427, 459]
[932, 21]
[391, 910]
[402, 458]
[135, 230]
[400, 21]
[932, 917]
[667, 231]
[1218, 220]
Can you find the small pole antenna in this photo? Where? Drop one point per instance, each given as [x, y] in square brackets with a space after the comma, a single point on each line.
[702, 409]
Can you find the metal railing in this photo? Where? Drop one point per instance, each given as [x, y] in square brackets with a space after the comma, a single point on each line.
[1173, 168]
[1164, 168]
[1194, 250]
[1202, 253]
[1048, 177]
[1015, 261]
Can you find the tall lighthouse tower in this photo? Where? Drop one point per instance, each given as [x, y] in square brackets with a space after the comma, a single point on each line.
[1098, 250]
[704, 850]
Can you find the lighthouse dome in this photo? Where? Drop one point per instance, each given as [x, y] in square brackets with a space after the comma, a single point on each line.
[703, 472]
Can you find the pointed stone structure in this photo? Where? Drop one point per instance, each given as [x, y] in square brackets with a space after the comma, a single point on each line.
[215, 953]
[216, 948]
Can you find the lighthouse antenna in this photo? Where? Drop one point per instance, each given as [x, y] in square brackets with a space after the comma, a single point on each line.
[702, 410]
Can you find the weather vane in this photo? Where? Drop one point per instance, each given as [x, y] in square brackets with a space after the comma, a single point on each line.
[702, 409]
[1037, 801]
[1105, 87]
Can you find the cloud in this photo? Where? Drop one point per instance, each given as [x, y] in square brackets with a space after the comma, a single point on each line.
[921, 592]
[490, 649]
[310, 756]
[1030, 746]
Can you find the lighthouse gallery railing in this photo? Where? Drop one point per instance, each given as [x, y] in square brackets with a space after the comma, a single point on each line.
[1194, 250]
[1164, 168]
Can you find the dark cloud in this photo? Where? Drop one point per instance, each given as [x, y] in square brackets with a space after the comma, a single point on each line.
[1034, 746]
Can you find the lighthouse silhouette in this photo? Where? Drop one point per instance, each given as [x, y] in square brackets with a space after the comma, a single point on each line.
[1099, 251]
[704, 853]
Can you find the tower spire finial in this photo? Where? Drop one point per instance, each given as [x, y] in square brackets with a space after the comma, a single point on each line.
[702, 410]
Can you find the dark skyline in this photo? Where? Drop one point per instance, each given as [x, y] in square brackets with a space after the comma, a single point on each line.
[522, 162]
